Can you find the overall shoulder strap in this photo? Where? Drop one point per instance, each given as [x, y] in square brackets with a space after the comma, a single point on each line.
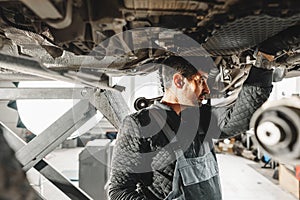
[169, 133]
[162, 122]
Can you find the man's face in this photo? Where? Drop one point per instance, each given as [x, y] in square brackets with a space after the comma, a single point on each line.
[195, 89]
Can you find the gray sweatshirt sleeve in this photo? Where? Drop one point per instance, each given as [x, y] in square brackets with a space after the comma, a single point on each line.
[255, 91]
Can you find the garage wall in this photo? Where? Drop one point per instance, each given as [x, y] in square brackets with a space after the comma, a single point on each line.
[285, 88]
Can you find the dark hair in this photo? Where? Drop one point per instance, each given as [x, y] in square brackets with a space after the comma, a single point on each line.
[185, 66]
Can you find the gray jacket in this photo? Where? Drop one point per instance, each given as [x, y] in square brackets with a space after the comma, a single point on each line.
[143, 159]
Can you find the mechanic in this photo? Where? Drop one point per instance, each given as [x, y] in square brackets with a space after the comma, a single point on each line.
[166, 150]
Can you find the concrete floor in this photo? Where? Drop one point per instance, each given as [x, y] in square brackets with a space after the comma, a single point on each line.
[239, 180]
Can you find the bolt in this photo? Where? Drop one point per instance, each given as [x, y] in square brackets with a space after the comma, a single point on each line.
[129, 17]
[84, 92]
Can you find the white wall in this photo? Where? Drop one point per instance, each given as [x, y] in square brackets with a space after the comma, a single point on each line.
[147, 86]
[285, 88]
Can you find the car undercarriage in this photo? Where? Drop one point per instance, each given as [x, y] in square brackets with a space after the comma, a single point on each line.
[89, 42]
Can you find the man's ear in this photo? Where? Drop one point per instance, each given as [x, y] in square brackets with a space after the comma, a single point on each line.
[178, 80]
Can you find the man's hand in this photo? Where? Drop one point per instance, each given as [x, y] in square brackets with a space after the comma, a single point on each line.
[264, 61]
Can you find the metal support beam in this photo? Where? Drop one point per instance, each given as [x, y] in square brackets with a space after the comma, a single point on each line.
[112, 105]
[55, 134]
[60, 181]
[29, 66]
[17, 77]
[33, 67]
[43, 8]
[55, 177]
[45, 93]
[13, 183]
[32, 154]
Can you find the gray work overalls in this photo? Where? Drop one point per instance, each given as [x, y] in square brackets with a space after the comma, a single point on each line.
[195, 178]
